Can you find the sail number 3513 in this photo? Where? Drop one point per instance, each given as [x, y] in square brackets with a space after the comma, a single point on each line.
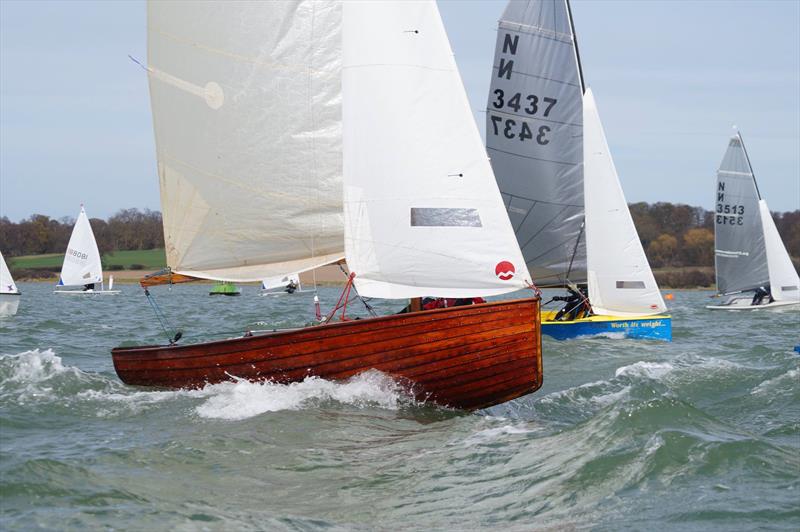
[533, 106]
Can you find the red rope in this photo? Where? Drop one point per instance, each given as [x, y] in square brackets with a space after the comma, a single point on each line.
[343, 299]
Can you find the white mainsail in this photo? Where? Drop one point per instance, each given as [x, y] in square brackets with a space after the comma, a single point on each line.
[783, 279]
[423, 214]
[246, 100]
[620, 280]
[82, 260]
[7, 285]
[534, 124]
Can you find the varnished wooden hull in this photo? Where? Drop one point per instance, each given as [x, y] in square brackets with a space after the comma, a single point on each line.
[465, 357]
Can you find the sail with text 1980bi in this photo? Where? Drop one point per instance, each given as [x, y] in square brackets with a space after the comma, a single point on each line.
[82, 264]
[247, 117]
[534, 137]
[423, 215]
[740, 253]
[620, 280]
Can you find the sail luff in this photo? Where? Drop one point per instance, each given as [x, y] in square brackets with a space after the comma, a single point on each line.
[534, 127]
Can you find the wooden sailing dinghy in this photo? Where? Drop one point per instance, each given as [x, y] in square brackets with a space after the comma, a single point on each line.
[558, 180]
[377, 160]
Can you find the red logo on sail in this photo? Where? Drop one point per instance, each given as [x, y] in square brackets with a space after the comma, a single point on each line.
[504, 270]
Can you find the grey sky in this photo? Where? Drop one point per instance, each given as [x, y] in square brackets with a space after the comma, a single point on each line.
[670, 79]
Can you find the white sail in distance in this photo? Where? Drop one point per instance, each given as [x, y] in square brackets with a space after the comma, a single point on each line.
[7, 285]
[783, 279]
[620, 280]
[246, 101]
[82, 264]
[423, 214]
[534, 136]
[280, 281]
[740, 253]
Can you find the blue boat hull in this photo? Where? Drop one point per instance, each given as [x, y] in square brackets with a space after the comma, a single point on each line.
[646, 327]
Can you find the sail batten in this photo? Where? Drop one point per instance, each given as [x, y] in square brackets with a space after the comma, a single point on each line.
[534, 128]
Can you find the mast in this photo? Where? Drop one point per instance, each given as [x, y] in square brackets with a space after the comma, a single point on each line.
[746, 156]
[577, 51]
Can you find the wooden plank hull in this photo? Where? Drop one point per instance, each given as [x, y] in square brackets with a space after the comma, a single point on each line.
[465, 357]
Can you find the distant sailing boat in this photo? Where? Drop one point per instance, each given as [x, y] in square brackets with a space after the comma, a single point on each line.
[560, 187]
[752, 264]
[82, 266]
[9, 293]
[284, 285]
[290, 135]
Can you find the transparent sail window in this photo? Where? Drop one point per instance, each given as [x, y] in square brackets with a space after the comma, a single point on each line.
[630, 284]
[444, 217]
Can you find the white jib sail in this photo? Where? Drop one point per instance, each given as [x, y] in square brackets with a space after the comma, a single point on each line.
[246, 100]
[783, 279]
[423, 214]
[280, 281]
[620, 280]
[7, 285]
[82, 260]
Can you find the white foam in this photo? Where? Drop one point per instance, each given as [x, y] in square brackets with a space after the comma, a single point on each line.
[243, 399]
[35, 366]
[767, 385]
[650, 370]
[495, 433]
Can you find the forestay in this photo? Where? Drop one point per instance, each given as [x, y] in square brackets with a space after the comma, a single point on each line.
[82, 260]
[620, 280]
[740, 254]
[246, 100]
[534, 136]
[783, 278]
[423, 215]
[7, 285]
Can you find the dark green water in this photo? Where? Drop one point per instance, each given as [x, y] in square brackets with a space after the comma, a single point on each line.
[700, 434]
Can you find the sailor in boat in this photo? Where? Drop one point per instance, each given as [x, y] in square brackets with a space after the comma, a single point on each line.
[430, 303]
[760, 293]
[88, 287]
[576, 304]
[291, 287]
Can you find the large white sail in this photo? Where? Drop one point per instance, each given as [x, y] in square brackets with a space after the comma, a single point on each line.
[7, 285]
[82, 260]
[783, 279]
[423, 215]
[246, 100]
[740, 254]
[620, 280]
[534, 136]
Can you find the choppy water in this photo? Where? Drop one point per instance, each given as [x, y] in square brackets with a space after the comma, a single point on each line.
[700, 434]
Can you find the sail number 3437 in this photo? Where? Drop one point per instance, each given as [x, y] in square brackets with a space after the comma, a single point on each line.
[508, 126]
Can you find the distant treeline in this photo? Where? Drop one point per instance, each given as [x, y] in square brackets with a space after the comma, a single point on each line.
[128, 229]
[681, 235]
[673, 235]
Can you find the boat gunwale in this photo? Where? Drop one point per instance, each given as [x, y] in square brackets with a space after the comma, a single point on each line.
[336, 326]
